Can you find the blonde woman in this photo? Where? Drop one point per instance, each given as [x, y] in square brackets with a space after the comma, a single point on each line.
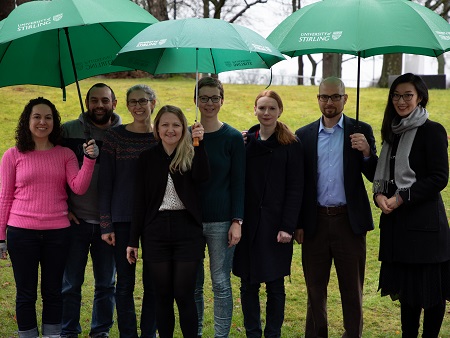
[167, 216]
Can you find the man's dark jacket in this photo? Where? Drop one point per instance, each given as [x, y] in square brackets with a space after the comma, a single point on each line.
[358, 205]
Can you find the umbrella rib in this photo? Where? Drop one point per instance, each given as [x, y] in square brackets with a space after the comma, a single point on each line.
[112, 36]
[213, 61]
[9, 44]
[61, 75]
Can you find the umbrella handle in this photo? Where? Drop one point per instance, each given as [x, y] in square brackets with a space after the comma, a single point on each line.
[195, 142]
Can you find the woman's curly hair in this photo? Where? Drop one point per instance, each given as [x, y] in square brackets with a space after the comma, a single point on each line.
[24, 139]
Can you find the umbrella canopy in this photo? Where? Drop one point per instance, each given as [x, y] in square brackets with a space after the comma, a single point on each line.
[197, 45]
[56, 43]
[363, 28]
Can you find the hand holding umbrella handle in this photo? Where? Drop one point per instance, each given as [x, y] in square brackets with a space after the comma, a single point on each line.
[197, 133]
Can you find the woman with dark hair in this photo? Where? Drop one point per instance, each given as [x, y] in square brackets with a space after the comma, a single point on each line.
[33, 212]
[121, 148]
[414, 234]
[273, 196]
[167, 217]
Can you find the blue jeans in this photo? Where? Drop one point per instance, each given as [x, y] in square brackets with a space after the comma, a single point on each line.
[126, 275]
[251, 310]
[220, 264]
[85, 238]
[28, 249]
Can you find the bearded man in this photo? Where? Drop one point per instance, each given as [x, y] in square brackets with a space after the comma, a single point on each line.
[85, 223]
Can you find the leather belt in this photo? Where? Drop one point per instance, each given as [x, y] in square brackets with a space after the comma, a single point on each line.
[332, 211]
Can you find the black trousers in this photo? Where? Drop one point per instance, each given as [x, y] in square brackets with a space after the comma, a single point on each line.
[334, 241]
[432, 320]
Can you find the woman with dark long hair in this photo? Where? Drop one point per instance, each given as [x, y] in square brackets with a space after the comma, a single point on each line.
[412, 170]
[33, 212]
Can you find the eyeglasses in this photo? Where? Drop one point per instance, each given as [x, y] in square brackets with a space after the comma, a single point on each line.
[334, 97]
[214, 99]
[142, 102]
[406, 97]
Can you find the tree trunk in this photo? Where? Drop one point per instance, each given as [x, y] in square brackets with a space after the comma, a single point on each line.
[314, 70]
[6, 8]
[392, 65]
[20, 2]
[300, 72]
[206, 8]
[441, 64]
[158, 8]
[332, 65]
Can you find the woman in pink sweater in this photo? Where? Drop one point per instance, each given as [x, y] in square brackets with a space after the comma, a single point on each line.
[33, 212]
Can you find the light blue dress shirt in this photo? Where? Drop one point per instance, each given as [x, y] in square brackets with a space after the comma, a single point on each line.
[330, 165]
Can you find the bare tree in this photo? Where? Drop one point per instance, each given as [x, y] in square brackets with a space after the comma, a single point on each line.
[20, 2]
[228, 10]
[8, 5]
[442, 7]
[332, 65]
[6, 8]
[314, 69]
[296, 5]
[158, 8]
[392, 64]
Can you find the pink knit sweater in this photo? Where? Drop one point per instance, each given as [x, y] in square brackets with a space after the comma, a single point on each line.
[33, 187]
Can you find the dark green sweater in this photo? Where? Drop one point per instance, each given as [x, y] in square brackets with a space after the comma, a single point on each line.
[223, 194]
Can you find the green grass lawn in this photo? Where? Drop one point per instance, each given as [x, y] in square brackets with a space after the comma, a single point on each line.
[381, 315]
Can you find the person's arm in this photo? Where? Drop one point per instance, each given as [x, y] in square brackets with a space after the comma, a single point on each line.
[106, 175]
[437, 167]
[294, 178]
[237, 179]
[139, 204]
[201, 171]
[7, 189]
[80, 179]
[369, 164]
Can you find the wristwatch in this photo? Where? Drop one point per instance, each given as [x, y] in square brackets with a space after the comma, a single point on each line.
[238, 220]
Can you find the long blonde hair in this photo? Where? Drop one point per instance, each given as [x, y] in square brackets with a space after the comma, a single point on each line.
[184, 154]
[284, 134]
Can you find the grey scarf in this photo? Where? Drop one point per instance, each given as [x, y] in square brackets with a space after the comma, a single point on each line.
[403, 174]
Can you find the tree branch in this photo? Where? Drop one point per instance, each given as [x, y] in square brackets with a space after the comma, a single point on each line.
[247, 6]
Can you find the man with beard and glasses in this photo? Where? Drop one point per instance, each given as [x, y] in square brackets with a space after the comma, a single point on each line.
[85, 223]
[335, 213]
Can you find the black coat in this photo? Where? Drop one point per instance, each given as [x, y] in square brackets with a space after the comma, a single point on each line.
[418, 232]
[151, 182]
[358, 206]
[273, 196]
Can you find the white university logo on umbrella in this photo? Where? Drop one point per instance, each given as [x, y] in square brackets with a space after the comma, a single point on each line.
[336, 35]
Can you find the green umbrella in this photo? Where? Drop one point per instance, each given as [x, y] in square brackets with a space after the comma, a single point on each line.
[197, 45]
[363, 28]
[56, 43]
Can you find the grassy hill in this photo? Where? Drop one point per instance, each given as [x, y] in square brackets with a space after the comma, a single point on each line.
[381, 315]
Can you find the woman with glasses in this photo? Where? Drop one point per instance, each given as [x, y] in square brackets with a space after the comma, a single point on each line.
[273, 196]
[122, 146]
[167, 218]
[222, 203]
[414, 234]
